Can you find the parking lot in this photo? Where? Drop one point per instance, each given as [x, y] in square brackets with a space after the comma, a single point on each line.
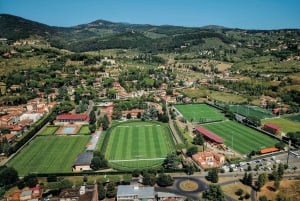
[266, 163]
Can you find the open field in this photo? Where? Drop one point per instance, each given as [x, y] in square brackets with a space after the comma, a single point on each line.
[254, 111]
[136, 145]
[200, 113]
[49, 154]
[288, 189]
[240, 138]
[49, 130]
[232, 188]
[285, 124]
[295, 117]
[214, 95]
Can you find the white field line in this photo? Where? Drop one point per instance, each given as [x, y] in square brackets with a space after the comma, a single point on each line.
[141, 159]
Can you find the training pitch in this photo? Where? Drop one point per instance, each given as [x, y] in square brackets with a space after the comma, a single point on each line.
[200, 113]
[241, 138]
[137, 145]
[49, 154]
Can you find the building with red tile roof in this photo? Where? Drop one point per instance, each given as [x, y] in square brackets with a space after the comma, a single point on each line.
[271, 128]
[209, 135]
[209, 159]
[73, 118]
[268, 150]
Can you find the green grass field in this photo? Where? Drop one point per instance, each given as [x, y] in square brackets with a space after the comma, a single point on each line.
[295, 117]
[241, 138]
[49, 130]
[136, 145]
[255, 111]
[84, 130]
[285, 124]
[200, 113]
[49, 154]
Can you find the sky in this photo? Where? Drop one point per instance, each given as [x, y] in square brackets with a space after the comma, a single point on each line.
[244, 14]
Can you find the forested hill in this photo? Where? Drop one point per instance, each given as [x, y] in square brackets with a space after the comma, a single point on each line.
[102, 34]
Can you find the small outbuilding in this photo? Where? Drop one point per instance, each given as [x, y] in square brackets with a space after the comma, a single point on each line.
[83, 162]
[272, 128]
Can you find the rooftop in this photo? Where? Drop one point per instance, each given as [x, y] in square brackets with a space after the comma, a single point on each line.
[209, 134]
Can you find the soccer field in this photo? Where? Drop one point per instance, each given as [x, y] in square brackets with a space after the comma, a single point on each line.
[200, 113]
[49, 154]
[248, 110]
[136, 145]
[241, 138]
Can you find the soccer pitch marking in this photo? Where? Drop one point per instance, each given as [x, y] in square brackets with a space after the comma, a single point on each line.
[137, 126]
[141, 159]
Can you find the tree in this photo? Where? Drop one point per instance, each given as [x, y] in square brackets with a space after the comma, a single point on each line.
[263, 198]
[191, 151]
[247, 196]
[92, 117]
[262, 179]
[249, 179]
[136, 173]
[172, 161]
[189, 169]
[164, 180]
[149, 179]
[280, 145]
[214, 193]
[280, 171]
[213, 175]
[111, 190]
[8, 176]
[98, 161]
[244, 180]
[198, 139]
[101, 191]
[31, 180]
[239, 192]
[128, 116]
[276, 184]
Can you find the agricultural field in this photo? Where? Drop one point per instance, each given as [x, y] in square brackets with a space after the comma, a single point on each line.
[136, 145]
[241, 138]
[49, 154]
[49, 130]
[285, 124]
[200, 113]
[254, 111]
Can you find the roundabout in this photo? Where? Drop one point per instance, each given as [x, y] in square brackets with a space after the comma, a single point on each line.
[190, 185]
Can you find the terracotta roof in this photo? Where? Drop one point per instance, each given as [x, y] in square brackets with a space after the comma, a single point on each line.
[268, 150]
[73, 117]
[272, 126]
[209, 134]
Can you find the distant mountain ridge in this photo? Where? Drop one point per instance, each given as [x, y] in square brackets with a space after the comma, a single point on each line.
[102, 34]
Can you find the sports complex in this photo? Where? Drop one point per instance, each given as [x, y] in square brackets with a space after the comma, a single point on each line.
[238, 137]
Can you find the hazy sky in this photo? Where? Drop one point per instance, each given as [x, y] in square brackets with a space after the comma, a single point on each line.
[247, 14]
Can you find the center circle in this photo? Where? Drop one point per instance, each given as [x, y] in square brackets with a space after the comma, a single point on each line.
[188, 185]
